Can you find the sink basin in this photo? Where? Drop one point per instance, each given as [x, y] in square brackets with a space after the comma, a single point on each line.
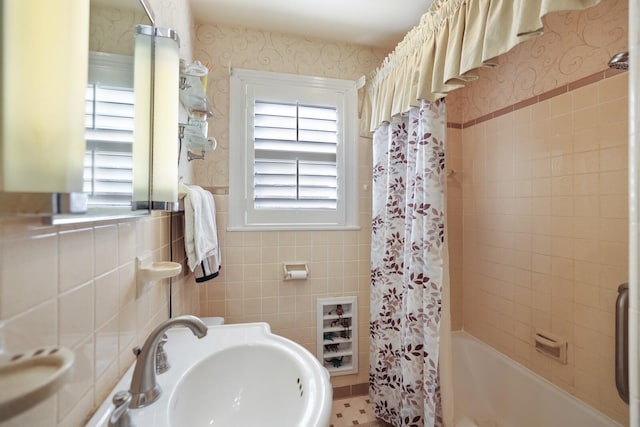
[247, 385]
[236, 376]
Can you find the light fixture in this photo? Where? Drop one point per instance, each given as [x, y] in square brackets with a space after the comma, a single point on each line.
[161, 45]
[142, 112]
[42, 140]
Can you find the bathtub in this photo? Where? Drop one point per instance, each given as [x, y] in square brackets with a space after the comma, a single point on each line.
[492, 390]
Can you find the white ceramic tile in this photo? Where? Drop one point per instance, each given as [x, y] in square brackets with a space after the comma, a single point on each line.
[76, 257]
[105, 383]
[81, 381]
[40, 415]
[78, 414]
[127, 284]
[33, 328]
[106, 248]
[144, 235]
[107, 291]
[76, 314]
[106, 342]
[28, 272]
[127, 328]
[127, 241]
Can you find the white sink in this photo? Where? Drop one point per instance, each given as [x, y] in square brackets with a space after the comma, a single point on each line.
[236, 376]
[248, 385]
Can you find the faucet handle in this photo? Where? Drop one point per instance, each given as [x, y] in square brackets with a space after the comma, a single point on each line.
[162, 362]
[136, 351]
[120, 416]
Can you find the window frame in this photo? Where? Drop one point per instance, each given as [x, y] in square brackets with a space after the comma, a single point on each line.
[247, 86]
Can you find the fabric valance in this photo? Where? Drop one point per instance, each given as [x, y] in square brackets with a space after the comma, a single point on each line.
[453, 39]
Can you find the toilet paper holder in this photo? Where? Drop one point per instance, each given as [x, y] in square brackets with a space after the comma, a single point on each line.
[295, 270]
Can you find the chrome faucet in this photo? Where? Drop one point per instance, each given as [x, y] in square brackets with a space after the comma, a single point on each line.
[144, 388]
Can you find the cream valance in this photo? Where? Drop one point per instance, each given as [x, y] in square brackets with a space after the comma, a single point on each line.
[453, 39]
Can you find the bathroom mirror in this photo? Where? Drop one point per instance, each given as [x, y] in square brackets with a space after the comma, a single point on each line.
[109, 111]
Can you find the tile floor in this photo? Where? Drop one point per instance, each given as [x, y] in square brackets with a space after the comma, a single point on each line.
[354, 411]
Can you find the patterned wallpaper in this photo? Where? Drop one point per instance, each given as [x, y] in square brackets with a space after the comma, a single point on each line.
[112, 29]
[573, 46]
[224, 46]
[176, 14]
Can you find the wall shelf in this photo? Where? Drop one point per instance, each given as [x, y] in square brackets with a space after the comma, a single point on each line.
[337, 340]
[193, 96]
[196, 143]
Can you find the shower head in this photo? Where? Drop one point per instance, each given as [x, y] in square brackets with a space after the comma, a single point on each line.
[620, 61]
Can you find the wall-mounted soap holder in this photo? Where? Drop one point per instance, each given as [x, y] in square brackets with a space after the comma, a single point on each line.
[149, 272]
[551, 345]
[30, 377]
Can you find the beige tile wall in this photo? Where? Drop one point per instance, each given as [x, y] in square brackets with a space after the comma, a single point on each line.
[545, 233]
[250, 287]
[74, 286]
[454, 223]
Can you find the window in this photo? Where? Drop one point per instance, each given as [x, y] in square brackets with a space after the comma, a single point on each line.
[292, 152]
[109, 123]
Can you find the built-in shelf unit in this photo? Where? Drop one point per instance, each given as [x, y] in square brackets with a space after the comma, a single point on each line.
[337, 340]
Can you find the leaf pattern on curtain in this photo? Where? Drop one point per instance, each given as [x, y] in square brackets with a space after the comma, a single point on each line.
[407, 266]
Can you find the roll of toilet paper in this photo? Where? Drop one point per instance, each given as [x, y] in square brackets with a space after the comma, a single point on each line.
[298, 275]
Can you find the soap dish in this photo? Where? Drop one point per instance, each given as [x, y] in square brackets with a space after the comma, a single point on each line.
[28, 378]
[148, 272]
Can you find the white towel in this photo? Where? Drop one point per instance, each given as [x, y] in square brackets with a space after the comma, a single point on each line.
[200, 233]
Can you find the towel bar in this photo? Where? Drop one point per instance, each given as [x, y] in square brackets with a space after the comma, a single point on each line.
[622, 342]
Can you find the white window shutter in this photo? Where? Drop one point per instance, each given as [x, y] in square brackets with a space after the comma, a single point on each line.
[108, 166]
[295, 149]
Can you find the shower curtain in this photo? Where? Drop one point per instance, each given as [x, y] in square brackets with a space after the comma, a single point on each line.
[408, 268]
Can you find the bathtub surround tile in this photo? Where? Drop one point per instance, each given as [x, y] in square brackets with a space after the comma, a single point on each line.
[570, 240]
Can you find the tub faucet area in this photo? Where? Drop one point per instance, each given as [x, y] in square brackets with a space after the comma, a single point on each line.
[144, 388]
